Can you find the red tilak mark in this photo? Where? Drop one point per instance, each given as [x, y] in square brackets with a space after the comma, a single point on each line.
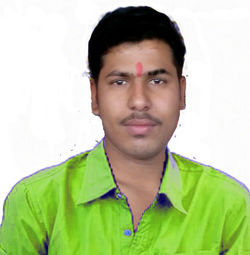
[139, 69]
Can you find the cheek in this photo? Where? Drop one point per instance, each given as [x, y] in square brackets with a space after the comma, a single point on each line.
[169, 101]
[111, 105]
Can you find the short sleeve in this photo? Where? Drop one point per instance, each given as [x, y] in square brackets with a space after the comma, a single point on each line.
[236, 238]
[21, 231]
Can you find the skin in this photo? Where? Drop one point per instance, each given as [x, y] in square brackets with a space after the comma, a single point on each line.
[137, 160]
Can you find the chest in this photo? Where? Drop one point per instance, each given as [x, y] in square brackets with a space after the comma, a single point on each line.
[139, 200]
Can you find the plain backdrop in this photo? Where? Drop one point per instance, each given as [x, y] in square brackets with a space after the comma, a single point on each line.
[45, 96]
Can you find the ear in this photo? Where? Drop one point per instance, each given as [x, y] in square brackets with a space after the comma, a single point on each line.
[182, 93]
[94, 97]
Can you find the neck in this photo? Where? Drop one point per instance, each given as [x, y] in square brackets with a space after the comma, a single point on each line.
[133, 170]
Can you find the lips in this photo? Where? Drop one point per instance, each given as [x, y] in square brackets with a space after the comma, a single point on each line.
[139, 126]
[140, 122]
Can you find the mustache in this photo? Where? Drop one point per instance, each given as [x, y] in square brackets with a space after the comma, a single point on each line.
[140, 116]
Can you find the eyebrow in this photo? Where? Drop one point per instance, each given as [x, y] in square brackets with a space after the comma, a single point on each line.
[149, 73]
[158, 71]
[118, 73]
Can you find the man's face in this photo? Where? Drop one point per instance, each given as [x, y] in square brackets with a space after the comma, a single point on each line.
[139, 98]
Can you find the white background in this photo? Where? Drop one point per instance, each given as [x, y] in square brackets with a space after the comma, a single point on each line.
[45, 101]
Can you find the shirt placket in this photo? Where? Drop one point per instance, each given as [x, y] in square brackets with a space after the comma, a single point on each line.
[132, 243]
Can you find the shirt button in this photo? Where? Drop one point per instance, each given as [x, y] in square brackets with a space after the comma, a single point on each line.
[119, 195]
[127, 232]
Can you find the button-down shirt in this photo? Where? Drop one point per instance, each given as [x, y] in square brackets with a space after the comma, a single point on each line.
[76, 207]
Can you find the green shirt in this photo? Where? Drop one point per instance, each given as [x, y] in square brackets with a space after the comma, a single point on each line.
[77, 208]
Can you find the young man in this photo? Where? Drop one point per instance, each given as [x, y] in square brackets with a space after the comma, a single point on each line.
[130, 194]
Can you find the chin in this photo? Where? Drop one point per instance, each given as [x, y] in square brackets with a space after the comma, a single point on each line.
[144, 149]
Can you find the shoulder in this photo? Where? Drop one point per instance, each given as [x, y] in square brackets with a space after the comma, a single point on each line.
[52, 180]
[211, 182]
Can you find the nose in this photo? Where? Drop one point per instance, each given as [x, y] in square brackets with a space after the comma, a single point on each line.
[138, 98]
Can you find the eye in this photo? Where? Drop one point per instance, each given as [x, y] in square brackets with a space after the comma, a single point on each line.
[157, 81]
[118, 82]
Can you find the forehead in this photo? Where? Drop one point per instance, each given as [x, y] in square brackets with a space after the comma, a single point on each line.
[147, 52]
[149, 44]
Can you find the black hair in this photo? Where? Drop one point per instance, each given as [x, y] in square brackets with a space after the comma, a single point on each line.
[133, 24]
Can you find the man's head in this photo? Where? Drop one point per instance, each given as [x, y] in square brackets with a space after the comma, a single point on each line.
[133, 24]
[136, 57]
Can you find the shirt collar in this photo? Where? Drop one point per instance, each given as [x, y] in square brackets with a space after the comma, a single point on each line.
[98, 179]
[171, 184]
